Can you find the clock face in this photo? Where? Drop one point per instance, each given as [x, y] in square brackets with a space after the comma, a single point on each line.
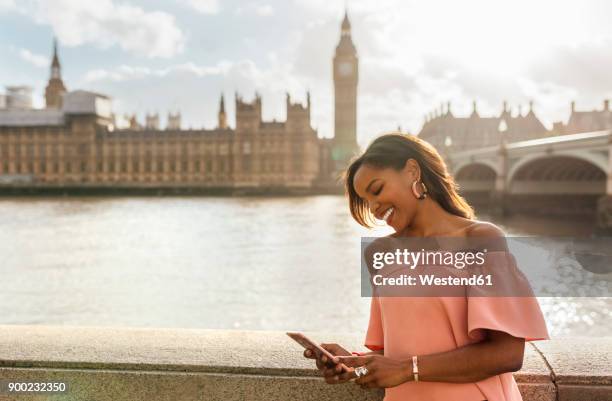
[345, 69]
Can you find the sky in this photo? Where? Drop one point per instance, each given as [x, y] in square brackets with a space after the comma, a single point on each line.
[163, 56]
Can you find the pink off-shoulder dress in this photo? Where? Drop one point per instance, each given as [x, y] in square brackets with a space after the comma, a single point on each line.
[406, 326]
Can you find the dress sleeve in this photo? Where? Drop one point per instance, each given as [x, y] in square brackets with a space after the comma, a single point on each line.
[517, 312]
[375, 336]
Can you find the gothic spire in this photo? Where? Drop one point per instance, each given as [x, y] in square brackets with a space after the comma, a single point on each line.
[55, 87]
[346, 24]
[474, 110]
[346, 45]
[55, 62]
[222, 117]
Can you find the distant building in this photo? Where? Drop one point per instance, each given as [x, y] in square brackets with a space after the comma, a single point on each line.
[346, 77]
[76, 141]
[585, 121]
[449, 133]
[55, 88]
[152, 121]
[133, 123]
[18, 97]
[73, 143]
[174, 121]
[222, 117]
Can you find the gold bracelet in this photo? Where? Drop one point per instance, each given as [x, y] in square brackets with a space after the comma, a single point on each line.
[415, 368]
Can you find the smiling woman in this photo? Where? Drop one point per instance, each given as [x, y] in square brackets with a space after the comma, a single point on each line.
[393, 169]
[431, 348]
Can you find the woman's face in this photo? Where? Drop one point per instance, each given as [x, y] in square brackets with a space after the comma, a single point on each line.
[388, 193]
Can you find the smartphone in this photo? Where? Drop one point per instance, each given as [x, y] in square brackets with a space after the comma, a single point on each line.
[319, 351]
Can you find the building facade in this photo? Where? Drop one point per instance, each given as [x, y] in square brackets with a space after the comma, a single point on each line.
[346, 77]
[76, 146]
[449, 133]
[73, 142]
[585, 121]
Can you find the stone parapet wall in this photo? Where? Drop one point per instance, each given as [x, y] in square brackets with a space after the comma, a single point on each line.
[110, 363]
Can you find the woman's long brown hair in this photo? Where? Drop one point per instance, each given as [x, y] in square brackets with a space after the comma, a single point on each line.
[392, 151]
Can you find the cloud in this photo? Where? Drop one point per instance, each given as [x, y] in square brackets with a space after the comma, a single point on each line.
[33, 58]
[128, 73]
[105, 23]
[586, 66]
[7, 5]
[262, 10]
[556, 98]
[202, 6]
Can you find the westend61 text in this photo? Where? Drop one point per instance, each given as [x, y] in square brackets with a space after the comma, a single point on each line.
[430, 279]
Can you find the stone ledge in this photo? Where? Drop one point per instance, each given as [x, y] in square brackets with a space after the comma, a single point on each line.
[109, 363]
[582, 367]
[579, 360]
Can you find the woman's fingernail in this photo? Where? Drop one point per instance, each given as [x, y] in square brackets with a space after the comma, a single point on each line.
[336, 378]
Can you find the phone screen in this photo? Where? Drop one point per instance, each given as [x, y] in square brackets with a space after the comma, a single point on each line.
[309, 344]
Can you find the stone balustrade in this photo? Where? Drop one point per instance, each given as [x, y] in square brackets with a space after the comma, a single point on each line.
[155, 364]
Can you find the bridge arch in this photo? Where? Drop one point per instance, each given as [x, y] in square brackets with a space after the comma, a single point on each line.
[597, 160]
[476, 177]
[561, 174]
[486, 163]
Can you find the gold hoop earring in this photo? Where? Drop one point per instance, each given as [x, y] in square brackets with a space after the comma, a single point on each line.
[423, 194]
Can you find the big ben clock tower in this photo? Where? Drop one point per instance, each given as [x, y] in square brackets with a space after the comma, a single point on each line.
[346, 71]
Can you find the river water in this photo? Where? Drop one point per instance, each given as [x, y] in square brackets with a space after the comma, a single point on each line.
[249, 263]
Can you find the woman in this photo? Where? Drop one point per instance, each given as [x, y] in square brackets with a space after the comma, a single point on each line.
[464, 348]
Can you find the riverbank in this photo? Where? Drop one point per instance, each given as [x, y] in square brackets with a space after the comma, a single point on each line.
[144, 190]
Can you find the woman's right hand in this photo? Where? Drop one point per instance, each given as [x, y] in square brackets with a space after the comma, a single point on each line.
[333, 373]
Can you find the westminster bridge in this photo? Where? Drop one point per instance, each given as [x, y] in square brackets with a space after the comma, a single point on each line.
[553, 175]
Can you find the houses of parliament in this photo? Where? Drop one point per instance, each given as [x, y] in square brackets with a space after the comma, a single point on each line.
[73, 143]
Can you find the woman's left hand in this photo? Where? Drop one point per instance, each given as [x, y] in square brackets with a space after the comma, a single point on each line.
[383, 372]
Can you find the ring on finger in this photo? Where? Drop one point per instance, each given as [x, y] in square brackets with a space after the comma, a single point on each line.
[361, 371]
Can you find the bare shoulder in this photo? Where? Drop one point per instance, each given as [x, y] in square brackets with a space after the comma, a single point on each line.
[488, 235]
[484, 229]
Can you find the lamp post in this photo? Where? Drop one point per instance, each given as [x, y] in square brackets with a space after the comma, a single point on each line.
[498, 196]
[502, 128]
